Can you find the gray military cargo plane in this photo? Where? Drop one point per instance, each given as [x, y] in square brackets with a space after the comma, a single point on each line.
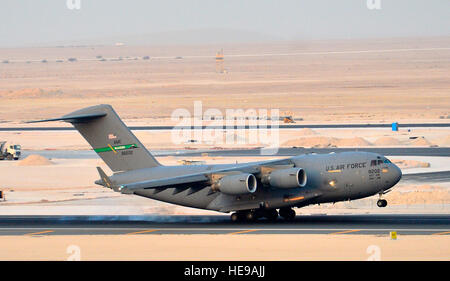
[250, 190]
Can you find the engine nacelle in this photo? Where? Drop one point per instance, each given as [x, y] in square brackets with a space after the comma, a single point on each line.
[238, 184]
[286, 178]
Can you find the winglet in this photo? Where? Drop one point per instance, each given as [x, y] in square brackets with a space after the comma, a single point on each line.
[106, 180]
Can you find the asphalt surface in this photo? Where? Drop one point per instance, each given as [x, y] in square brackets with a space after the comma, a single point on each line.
[297, 126]
[435, 177]
[387, 151]
[418, 224]
[292, 151]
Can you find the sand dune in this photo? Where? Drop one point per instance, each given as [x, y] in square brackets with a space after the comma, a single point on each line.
[445, 141]
[306, 132]
[35, 160]
[387, 141]
[422, 141]
[408, 164]
[322, 141]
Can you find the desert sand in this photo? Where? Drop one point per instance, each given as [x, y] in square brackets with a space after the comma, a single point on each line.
[318, 81]
[226, 247]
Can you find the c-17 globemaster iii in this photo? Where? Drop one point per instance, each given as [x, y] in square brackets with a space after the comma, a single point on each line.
[263, 189]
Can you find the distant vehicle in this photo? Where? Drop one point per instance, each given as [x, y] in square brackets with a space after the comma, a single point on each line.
[44, 61]
[59, 61]
[146, 58]
[9, 152]
[178, 58]
[72, 59]
[5, 61]
[288, 119]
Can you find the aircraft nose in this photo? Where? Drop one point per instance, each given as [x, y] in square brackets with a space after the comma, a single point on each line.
[397, 174]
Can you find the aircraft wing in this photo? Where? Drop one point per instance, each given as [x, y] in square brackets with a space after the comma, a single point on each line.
[199, 179]
[179, 181]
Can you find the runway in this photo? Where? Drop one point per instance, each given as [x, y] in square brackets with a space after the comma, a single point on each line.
[418, 224]
[291, 151]
[435, 177]
[246, 127]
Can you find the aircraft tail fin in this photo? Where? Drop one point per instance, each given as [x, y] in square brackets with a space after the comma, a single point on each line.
[110, 138]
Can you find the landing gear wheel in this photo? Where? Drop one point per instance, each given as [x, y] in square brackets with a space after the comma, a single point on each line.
[381, 203]
[287, 214]
[250, 216]
[271, 215]
[239, 216]
[234, 217]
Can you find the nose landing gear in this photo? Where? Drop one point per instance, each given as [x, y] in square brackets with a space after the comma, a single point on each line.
[381, 203]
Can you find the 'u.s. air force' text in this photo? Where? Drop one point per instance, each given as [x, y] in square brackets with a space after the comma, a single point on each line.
[348, 166]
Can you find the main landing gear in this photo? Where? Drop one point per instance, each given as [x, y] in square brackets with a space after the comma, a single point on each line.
[269, 214]
[287, 213]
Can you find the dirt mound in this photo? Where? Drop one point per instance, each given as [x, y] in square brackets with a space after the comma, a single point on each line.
[35, 160]
[356, 141]
[387, 141]
[31, 93]
[306, 132]
[322, 141]
[419, 196]
[446, 141]
[408, 164]
[311, 142]
[421, 142]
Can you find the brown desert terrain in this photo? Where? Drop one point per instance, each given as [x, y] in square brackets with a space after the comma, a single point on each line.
[336, 81]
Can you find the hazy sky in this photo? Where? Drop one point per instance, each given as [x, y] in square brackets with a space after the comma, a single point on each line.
[49, 22]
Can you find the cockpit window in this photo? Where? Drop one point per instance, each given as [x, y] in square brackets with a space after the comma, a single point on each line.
[387, 161]
[379, 162]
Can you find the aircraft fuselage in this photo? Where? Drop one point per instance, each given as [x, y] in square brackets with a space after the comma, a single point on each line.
[330, 178]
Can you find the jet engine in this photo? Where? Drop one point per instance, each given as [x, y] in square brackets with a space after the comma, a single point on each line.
[286, 178]
[238, 184]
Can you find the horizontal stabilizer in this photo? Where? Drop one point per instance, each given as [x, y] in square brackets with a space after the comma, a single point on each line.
[73, 118]
[106, 180]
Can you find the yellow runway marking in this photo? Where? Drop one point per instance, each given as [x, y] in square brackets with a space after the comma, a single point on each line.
[42, 232]
[244, 231]
[347, 231]
[441, 233]
[143, 231]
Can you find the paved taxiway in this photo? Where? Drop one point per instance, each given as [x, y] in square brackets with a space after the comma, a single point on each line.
[297, 126]
[293, 151]
[220, 224]
[284, 152]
